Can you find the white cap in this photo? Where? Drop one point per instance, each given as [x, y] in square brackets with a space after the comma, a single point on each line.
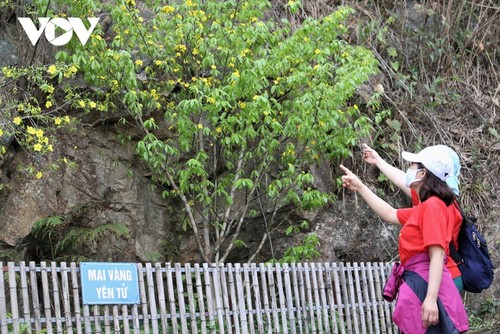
[453, 181]
[434, 160]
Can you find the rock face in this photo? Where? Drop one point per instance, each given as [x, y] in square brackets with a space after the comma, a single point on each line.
[99, 183]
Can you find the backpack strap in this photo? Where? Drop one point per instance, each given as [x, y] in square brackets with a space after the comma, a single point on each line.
[453, 250]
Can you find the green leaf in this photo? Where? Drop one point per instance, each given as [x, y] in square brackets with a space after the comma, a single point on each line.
[392, 52]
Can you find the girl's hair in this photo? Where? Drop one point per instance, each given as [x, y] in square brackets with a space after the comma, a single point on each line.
[433, 186]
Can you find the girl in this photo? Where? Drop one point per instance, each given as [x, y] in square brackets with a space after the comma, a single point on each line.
[398, 177]
[428, 301]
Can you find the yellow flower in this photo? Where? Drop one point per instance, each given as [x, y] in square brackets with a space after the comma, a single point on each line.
[50, 89]
[167, 9]
[1, 132]
[66, 119]
[211, 100]
[65, 160]
[17, 120]
[37, 147]
[48, 104]
[50, 148]
[57, 120]
[138, 62]
[39, 133]
[52, 69]
[180, 48]
[317, 51]
[200, 126]
[81, 103]
[92, 104]
[39, 175]
[31, 130]
[218, 129]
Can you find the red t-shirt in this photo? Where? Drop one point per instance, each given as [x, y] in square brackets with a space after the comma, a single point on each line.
[456, 222]
[424, 225]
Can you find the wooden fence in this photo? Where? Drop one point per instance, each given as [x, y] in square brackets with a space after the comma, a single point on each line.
[201, 298]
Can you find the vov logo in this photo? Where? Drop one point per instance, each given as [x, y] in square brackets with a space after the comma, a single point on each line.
[69, 25]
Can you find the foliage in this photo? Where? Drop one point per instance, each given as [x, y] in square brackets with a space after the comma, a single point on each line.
[57, 239]
[305, 252]
[485, 316]
[233, 108]
[31, 114]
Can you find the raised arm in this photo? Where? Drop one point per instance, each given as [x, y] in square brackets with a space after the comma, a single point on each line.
[395, 175]
[383, 209]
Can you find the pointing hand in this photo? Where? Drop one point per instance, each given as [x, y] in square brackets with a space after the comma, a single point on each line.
[370, 155]
[350, 180]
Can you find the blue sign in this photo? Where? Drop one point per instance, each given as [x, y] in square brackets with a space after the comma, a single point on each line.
[109, 283]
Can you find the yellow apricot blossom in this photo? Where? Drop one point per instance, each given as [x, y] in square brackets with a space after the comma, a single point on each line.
[167, 9]
[31, 130]
[52, 69]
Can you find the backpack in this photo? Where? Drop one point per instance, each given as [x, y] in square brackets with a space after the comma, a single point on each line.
[472, 257]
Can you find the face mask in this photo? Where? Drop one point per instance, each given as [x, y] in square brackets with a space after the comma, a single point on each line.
[411, 175]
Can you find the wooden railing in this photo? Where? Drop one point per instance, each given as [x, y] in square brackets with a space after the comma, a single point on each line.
[201, 298]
